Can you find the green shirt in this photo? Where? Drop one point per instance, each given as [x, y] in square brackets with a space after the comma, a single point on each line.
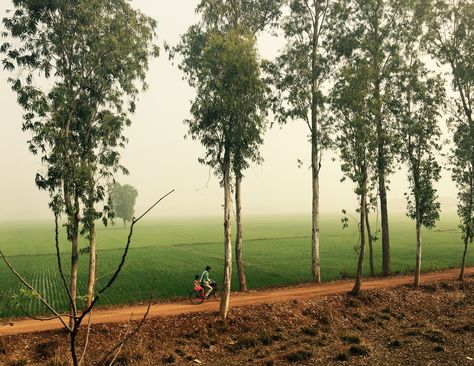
[205, 277]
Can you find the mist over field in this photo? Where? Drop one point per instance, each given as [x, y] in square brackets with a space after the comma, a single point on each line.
[159, 158]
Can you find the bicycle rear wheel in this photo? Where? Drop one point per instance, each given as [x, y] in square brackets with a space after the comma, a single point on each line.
[216, 295]
[195, 297]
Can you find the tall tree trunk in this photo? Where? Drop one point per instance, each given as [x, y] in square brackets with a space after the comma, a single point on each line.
[381, 172]
[371, 246]
[239, 237]
[468, 234]
[360, 265]
[74, 268]
[92, 265]
[464, 255]
[381, 142]
[315, 162]
[418, 251]
[224, 307]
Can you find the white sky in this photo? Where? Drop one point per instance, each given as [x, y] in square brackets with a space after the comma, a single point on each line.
[159, 158]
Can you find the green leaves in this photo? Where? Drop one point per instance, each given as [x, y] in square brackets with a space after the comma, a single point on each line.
[450, 41]
[95, 55]
[220, 60]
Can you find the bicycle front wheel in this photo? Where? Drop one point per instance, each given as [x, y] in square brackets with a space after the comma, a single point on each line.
[195, 297]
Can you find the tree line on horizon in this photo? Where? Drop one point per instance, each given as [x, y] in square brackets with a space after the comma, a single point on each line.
[354, 71]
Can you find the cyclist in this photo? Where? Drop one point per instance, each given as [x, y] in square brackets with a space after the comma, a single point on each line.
[206, 281]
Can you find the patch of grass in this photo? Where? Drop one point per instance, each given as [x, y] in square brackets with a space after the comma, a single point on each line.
[169, 359]
[439, 348]
[395, 343]
[3, 347]
[350, 338]
[57, 362]
[242, 343]
[46, 350]
[298, 356]
[414, 332]
[267, 339]
[309, 331]
[435, 336]
[359, 350]
[343, 356]
[180, 352]
[369, 318]
[19, 362]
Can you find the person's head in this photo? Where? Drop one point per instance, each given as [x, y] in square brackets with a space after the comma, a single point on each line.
[208, 268]
[196, 277]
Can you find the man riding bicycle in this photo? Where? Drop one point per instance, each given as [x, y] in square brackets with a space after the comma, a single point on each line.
[206, 281]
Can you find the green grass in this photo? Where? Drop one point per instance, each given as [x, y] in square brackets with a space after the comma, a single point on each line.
[165, 254]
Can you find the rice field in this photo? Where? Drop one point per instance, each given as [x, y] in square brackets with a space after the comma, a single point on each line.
[166, 253]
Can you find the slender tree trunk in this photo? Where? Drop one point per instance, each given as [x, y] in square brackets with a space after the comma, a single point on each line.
[239, 237]
[315, 160]
[468, 234]
[74, 265]
[360, 265]
[92, 265]
[72, 344]
[224, 307]
[371, 246]
[464, 255]
[381, 172]
[418, 251]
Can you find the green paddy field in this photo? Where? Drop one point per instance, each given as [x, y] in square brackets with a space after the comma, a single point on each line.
[166, 253]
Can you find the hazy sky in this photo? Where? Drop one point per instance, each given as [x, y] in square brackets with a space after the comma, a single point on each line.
[159, 159]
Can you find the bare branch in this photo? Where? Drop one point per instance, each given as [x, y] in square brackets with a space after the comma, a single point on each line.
[32, 289]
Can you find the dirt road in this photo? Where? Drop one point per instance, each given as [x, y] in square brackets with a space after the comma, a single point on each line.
[253, 298]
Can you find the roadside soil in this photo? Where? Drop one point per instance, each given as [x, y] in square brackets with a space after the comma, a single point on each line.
[301, 292]
[391, 323]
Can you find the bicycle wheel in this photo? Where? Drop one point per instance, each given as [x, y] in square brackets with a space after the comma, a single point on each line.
[216, 295]
[195, 297]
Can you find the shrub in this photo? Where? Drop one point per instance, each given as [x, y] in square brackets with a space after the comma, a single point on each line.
[342, 357]
[359, 350]
[298, 356]
[310, 331]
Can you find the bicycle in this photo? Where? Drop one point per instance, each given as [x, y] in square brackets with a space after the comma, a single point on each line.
[196, 298]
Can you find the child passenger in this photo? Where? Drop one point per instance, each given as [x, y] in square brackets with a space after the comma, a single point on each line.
[198, 287]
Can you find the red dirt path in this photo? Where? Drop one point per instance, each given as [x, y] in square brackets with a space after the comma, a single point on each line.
[124, 314]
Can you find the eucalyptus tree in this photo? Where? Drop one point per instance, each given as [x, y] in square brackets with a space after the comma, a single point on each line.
[450, 41]
[300, 76]
[356, 140]
[228, 110]
[93, 55]
[378, 29]
[254, 16]
[417, 108]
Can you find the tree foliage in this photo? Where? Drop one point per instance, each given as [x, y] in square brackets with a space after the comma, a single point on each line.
[450, 40]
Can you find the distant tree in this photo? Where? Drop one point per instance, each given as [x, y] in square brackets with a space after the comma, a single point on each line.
[95, 56]
[224, 69]
[123, 201]
[300, 76]
[356, 140]
[450, 41]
